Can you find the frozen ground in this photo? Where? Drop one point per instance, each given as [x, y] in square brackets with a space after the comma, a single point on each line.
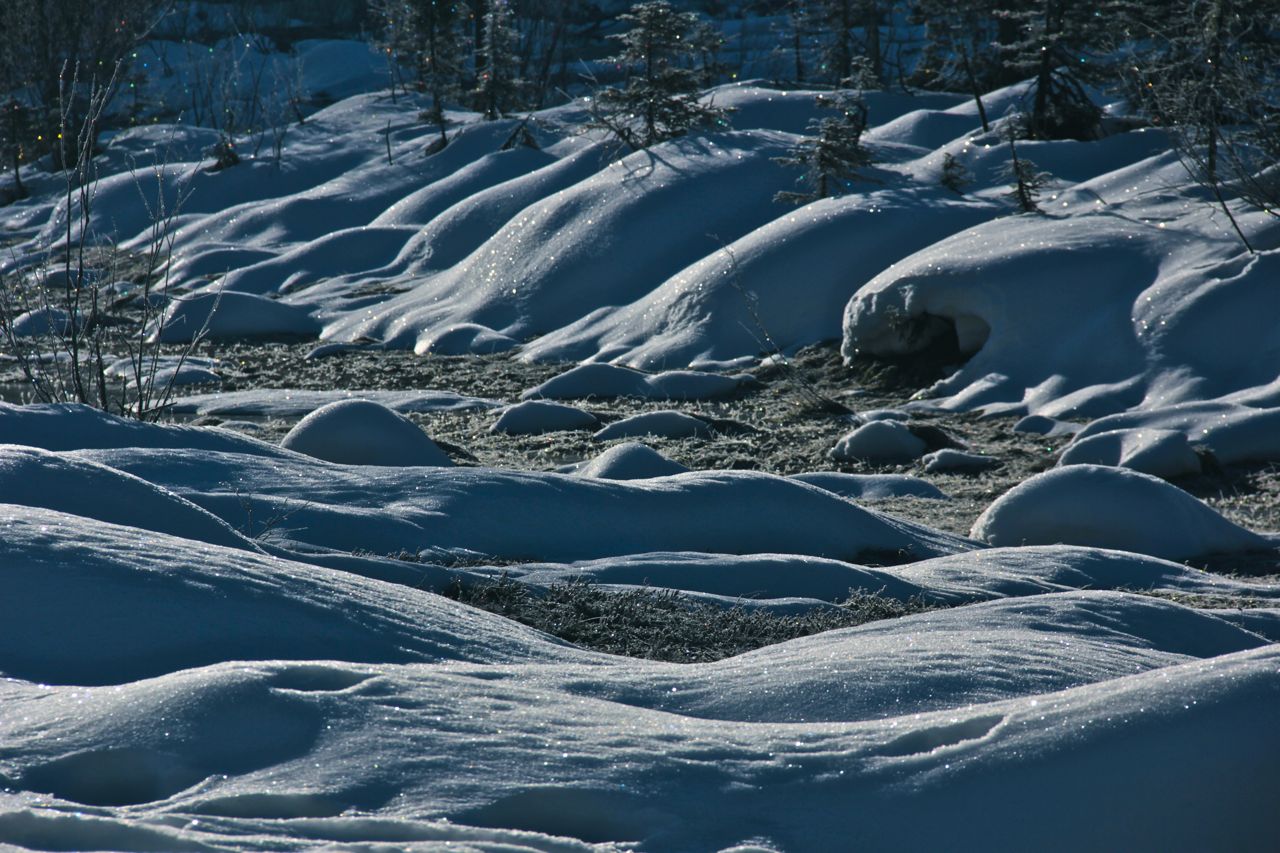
[241, 629]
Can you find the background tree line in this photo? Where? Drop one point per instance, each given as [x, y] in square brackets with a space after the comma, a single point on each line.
[1205, 67]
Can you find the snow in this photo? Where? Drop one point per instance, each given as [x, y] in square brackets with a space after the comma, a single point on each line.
[950, 460]
[1161, 452]
[1111, 507]
[221, 316]
[629, 460]
[211, 642]
[535, 416]
[667, 423]
[882, 442]
[295, 403]
[609, 380]
[870, 487]
[362, 432]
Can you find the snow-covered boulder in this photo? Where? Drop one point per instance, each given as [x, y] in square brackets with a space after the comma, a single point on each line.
[1109, 507]
[629, 461]
[536, 416]
[362, 432]
[664, 424]
[1159, 452]
[886, 442]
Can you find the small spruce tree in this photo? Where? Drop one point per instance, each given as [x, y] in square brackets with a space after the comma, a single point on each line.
[955, 176]
[660, 99]
[834, 154]
[1027, 182]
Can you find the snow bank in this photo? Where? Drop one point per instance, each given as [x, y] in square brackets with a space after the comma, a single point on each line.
[544, 268]
[34, 477]
[739, 299]
[451, 510]
[87, 602]
[1111, 508]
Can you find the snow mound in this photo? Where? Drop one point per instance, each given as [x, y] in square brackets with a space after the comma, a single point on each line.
[362, 432]
[1231, 431]
[885, 442]
[629, 461]
[1159, 452]
[40, 478]
[537, 416]
[739, 300]
[40, 323]
[545, 266]
[71, 426]
[664, 424]
[1085, 316]
[1037, 569]
[89, 602]
[546, 516]
[464, 339]
[1046, 426]
[871, 487]
[296, 403]
[756, 577]
[951, 461]
[229, 315]
[1111, 508]
[610, 380]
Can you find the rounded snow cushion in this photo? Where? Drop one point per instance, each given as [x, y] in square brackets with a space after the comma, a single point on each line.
[951, 461]
[666, 424]
[871, 487]
[535, 416]
[229, 314]
[40, 322]
[880, 442]
[1106, 507]
[361, 432]
[630, 461]
[1160, 452]
[466, 339]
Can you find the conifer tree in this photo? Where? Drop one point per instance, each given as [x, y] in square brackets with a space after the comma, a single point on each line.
[834, 154]
[497, 85]
[427, 35]
[660, 98]
[1027, 181]
[1210, 73]
[1056, 45]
